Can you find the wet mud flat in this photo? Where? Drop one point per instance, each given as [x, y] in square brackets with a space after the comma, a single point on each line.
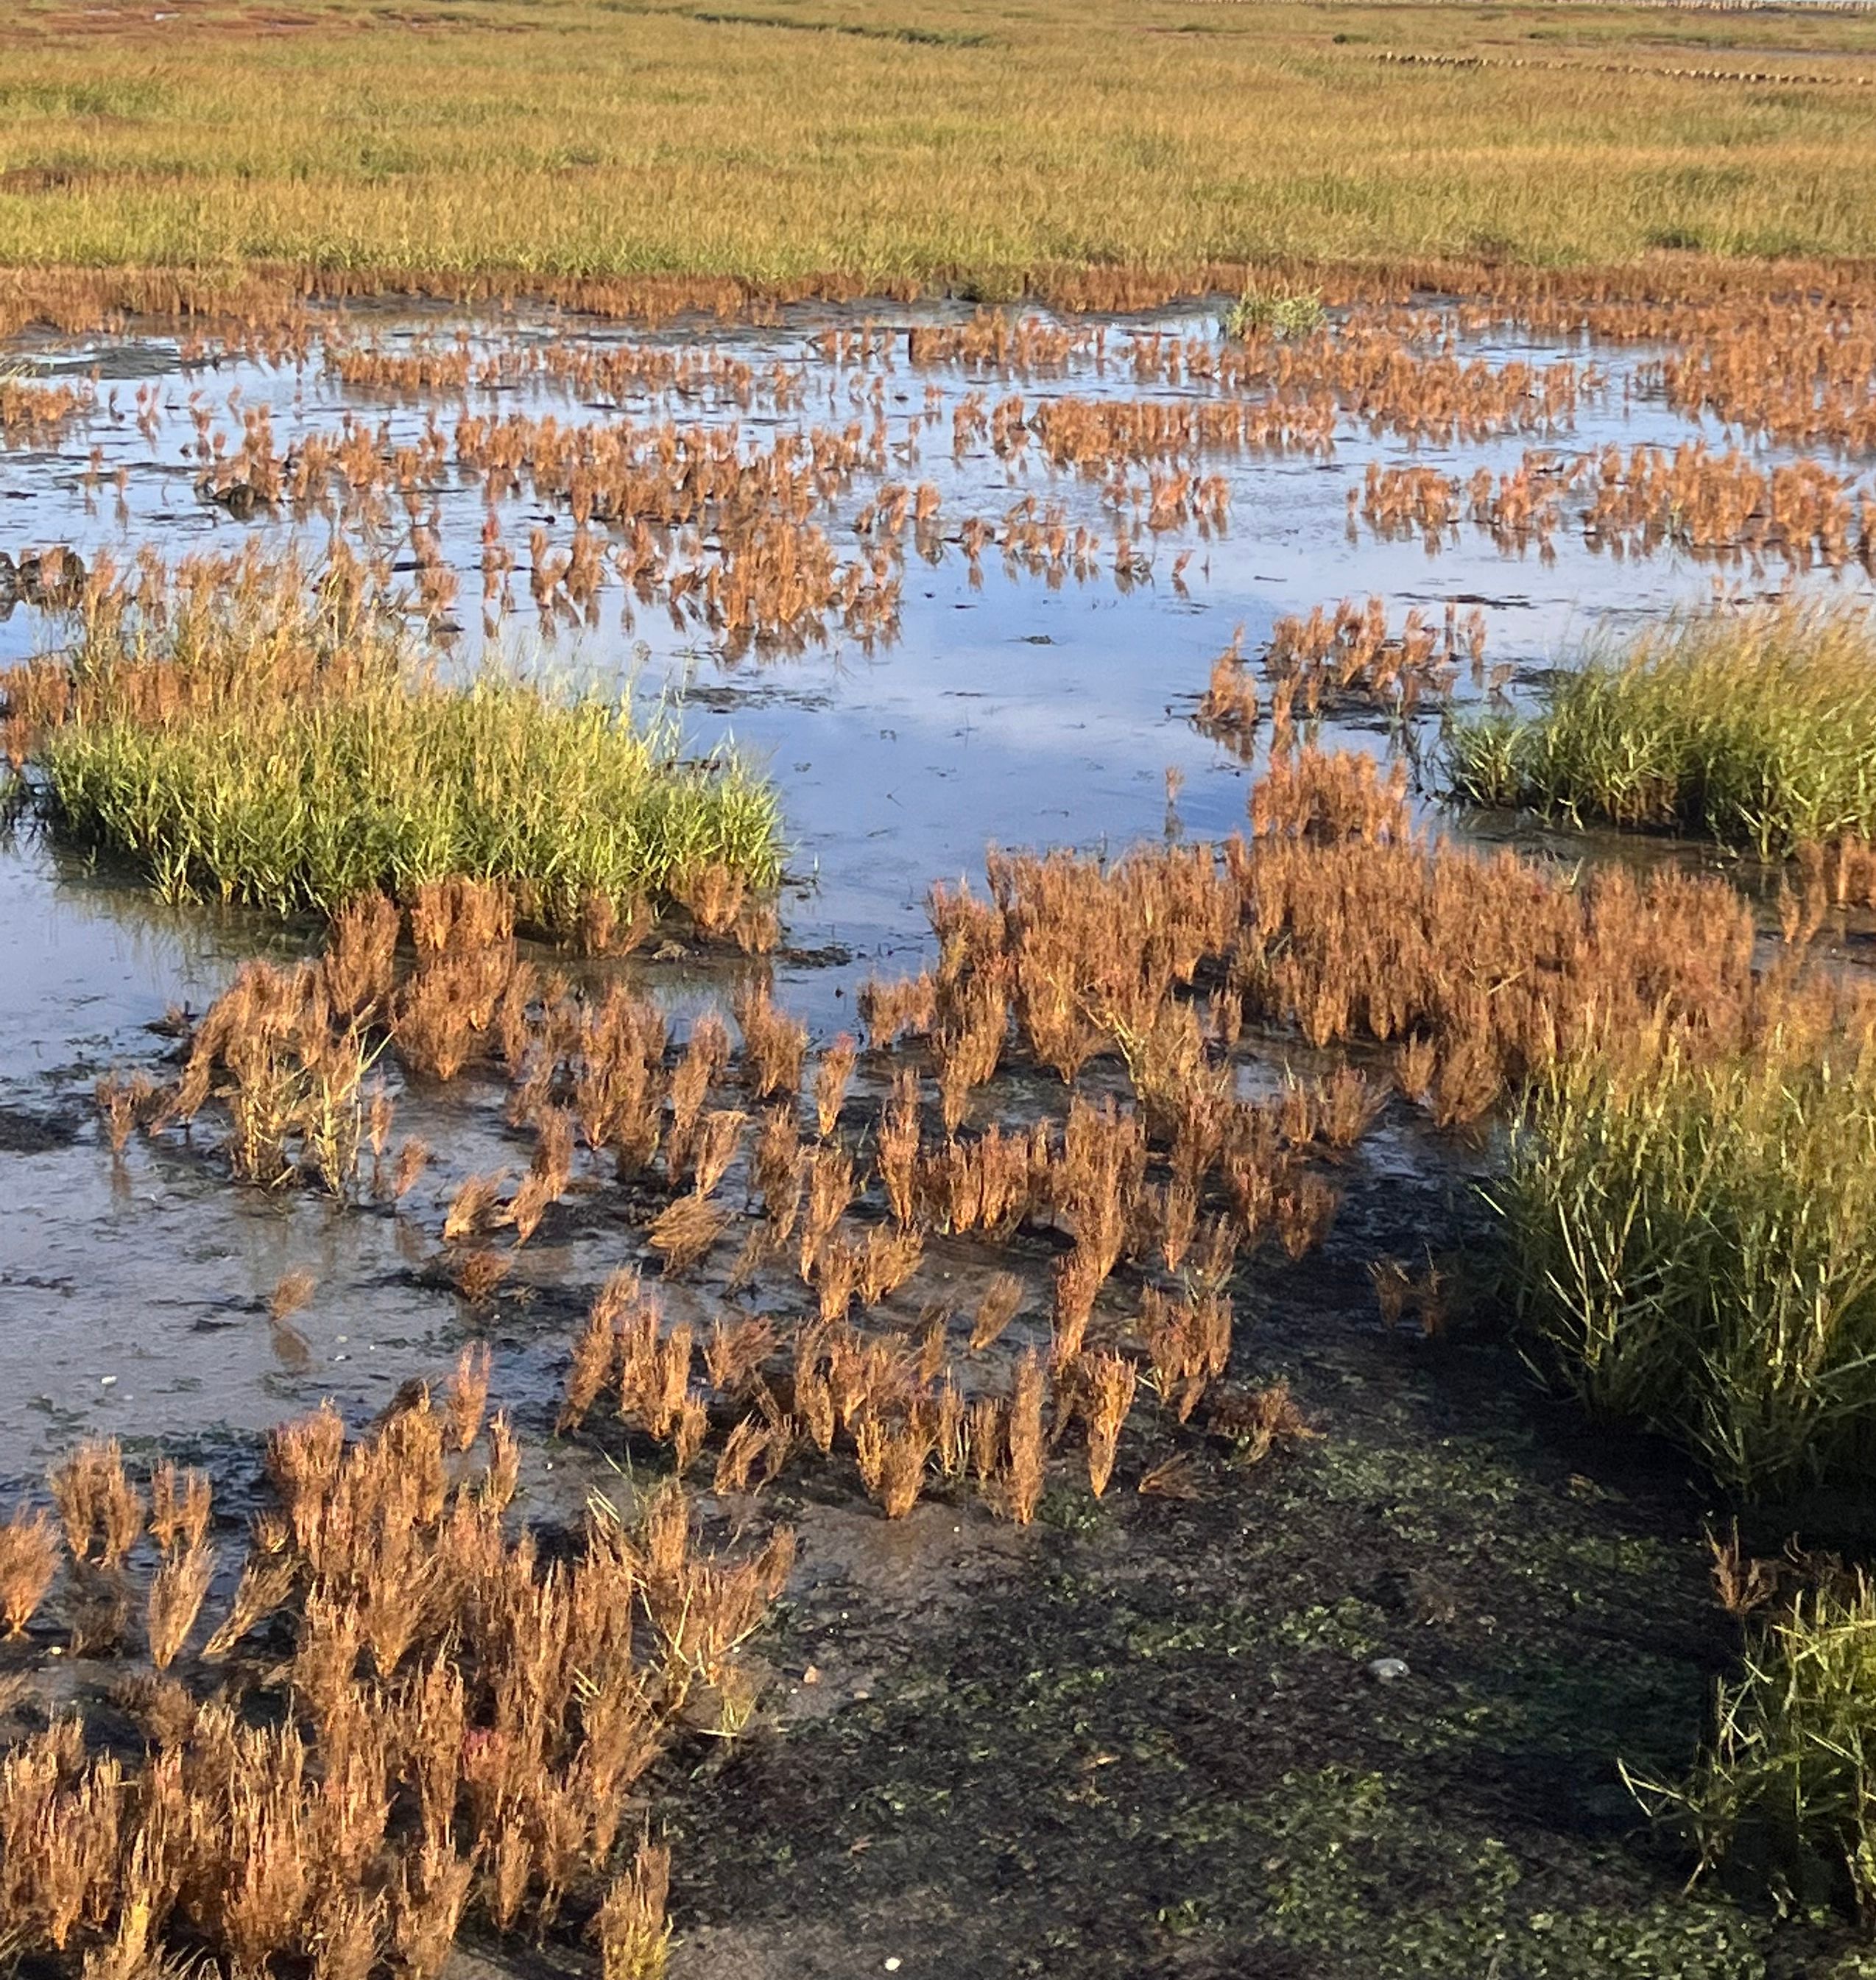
[1148, 1738]
[1353, 1709]
[1164, 1732]
[1010, 703]
[1161, 1732]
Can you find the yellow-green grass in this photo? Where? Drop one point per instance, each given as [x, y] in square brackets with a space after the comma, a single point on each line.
[883, 143]
[1785, 1792]
[1759, 729]
[1692, 1247]
[289, 756]
[299, 806]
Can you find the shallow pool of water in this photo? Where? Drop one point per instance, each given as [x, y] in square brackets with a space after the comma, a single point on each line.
[1004, 710]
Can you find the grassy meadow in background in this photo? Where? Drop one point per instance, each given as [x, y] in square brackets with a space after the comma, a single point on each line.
[787, 139]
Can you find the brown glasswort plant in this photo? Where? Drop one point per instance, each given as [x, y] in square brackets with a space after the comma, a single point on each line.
[1143, 1191]
[28, 1560]
[446, 1722]
[1331, 915]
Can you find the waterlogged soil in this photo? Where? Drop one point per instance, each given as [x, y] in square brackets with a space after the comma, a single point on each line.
[1157, 1736]
[1153, 1744]
[1142, 1737]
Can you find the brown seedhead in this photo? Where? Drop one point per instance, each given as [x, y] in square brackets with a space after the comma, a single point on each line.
[28, 1560]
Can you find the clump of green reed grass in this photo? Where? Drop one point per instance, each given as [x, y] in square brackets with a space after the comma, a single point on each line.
[294, 806]
[288, 755]
[1786, 1788]
[1759, 728]
[1279, 312]
[1692, 1245]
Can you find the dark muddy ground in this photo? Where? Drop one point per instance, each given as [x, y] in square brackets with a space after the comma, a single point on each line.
[1148, 1735]
[1144, 1737]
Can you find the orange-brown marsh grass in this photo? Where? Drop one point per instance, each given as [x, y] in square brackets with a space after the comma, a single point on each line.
[485, 1712]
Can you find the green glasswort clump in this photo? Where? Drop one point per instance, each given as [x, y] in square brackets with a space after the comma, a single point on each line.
[1275, 313]
[1692, 1244]
[1759, 730]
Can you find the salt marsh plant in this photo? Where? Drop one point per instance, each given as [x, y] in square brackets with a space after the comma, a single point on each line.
[1690, 1239]
[32, 412]
[453, 1730]
[1278, 313]
[1759, 729]
[28, 1560]
[1332, 915]
[285, 749]
[1782, 1791]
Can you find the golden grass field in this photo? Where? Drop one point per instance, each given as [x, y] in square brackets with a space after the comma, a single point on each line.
[884, 145]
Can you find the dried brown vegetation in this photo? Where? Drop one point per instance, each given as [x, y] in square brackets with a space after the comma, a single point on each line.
[1334, 915]
[446, 1722]
[32, 413]
[28, 1560]
[1228, 708]
[1728, 508]
[1331, 660]
[1331, 915]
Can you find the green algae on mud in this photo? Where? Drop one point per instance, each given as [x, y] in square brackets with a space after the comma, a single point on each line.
[1144, 1740]
[1133, 1752]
